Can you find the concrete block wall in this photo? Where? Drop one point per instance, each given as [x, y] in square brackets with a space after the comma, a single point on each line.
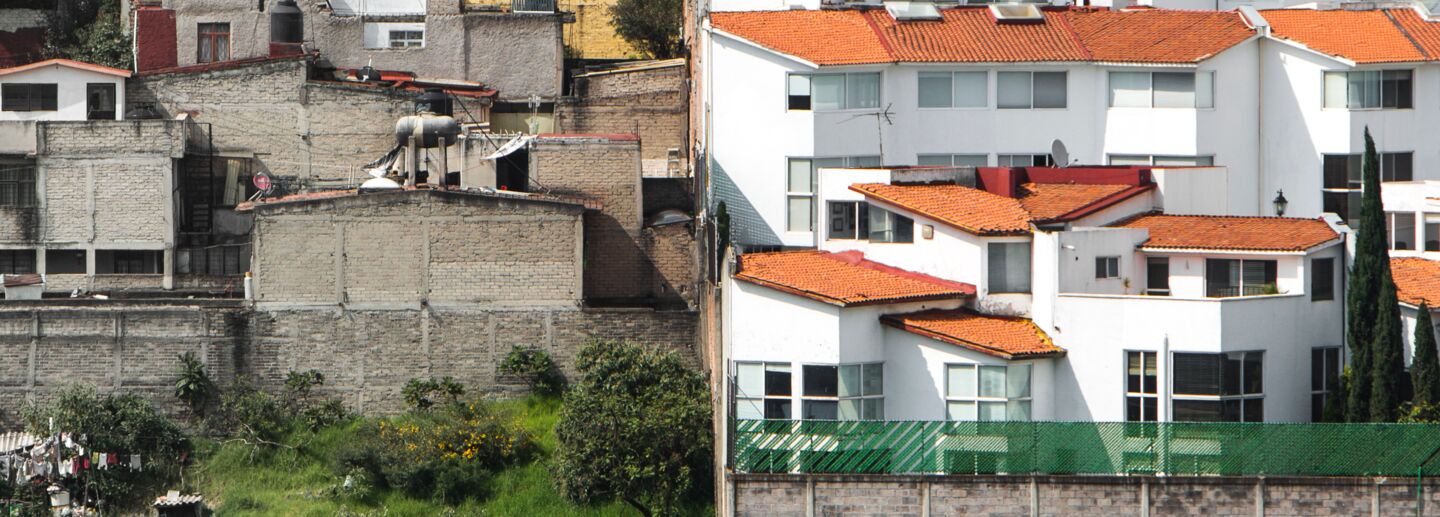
[401, 249]
[650, 103]
[1098, 496]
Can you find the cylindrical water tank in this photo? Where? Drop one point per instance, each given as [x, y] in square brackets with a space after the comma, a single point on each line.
[431, 129]
[434, 100]
[287, 25]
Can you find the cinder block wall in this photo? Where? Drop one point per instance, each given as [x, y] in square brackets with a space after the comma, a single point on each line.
[650, 103]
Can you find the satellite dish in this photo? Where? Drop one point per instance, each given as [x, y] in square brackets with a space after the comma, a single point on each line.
[1058, 154]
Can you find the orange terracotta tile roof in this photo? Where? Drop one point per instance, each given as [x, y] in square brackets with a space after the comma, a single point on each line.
[1231, 233]
[1058, 201]
[972, 210]
[971, 34]
[69, 63]
[1374, 36]
[845, 279]
[1000, 336]
[1417, 280]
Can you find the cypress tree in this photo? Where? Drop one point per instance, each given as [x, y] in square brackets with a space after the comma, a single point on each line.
[1371, 254]
[1387, 353]
[1425, 372]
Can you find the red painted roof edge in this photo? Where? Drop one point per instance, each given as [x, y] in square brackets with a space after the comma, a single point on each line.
[1102, 203]
[81, 65]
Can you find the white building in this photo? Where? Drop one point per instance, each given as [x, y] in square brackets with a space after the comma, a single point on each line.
[61, 89]
[1160, 317]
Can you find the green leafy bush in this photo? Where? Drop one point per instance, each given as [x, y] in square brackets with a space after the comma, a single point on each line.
[536, 367]
[446, 455]
[423, 394]
[250, 414]
[194, 387]
[301, 402]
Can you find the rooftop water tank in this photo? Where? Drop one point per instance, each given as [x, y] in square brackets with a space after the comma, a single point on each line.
[436, 101]
[428, 127]
[287, 28]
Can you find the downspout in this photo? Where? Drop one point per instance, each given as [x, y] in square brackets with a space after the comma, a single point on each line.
[134, 43]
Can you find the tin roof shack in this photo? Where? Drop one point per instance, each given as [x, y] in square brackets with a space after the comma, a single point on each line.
[432, 38]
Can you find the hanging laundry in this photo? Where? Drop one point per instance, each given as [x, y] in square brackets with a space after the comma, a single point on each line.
[134, 462]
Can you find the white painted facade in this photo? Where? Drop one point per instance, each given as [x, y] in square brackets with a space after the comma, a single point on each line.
[70, 85]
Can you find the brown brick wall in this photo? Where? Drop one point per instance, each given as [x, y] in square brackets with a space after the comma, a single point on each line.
[650, 103]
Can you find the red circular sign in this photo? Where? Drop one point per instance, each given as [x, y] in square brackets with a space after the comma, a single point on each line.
[262, 182]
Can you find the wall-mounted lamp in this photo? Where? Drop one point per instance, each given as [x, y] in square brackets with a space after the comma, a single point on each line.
[1280, 202]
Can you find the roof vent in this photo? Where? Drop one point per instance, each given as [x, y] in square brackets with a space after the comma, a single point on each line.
[912, 10]
[1017, 13]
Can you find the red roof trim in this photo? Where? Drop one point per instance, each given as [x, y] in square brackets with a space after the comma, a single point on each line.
[68, 63]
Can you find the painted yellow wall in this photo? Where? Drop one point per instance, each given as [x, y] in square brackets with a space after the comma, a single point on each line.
[591, 35]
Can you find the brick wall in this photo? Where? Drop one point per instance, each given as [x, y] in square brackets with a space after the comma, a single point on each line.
[366, 356]
[407, 247]
[649, 102]
[1099, 496]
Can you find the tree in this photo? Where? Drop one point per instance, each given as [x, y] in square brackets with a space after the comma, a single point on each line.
[1387, 353]
[89, 31]
[1371, 255]
[1425, 373]
[653, 26]
[193, 386]
[636, 427]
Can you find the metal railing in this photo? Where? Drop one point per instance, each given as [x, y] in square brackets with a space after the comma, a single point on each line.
[532, 6]
[1096, 448]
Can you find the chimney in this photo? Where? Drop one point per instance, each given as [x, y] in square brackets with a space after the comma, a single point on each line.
[287, 29]
[155, 46]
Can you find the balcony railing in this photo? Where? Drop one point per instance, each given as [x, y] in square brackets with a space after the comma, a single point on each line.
[1108, 448]
[532, 6]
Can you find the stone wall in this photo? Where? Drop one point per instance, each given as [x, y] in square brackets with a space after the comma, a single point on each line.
[366, 356]
[483, 47]
[1099, 496]
[403, 249]
[647, 99]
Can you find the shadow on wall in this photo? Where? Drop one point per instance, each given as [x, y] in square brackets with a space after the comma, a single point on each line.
[1074, 401]
[746, 224]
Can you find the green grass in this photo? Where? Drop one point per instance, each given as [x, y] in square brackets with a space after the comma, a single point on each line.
[287, 482]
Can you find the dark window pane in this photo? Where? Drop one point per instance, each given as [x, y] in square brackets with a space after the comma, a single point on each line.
[777, 383]
[842, 220]
[17, 262]
[1317, 369]
[1151, 412]
[1133, 371]
[904, 228]
[1132, 409]
[1198, 411]
[1230, 374]
[100, 101]
[1337, 171]
[1157, 274]
[820, 381]
[820, 410]
[1322, 279]
[778, 409]
[1397, 167]
[1254, 381]
[1317, 407]
[1222, 278]
[1254, 410]
[1432, 236]
[1197, 374]
[800, 102]
[1332, 368]
[1231, 411]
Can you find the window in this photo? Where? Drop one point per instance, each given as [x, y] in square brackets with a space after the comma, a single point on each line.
[887, 226]
[65, 262]
[407, 39]
[100, 101]
[762, 390]
[17, 262]
[1343, 180]
[1025, 160]
[1142, 391]
[849, 219]
[1325, 367]
[129, 262]
[1231, 277]
[1322, 279]
[800, 187]
[1107, 267]
[1162, 161]
[17, 183]
[987, 393]
[1162, 89]
[1432, 235]
[1226, 387]
[1370, 89]
[28, 97]
[212, 43]
[1009, 267]
[1157, 276]
[1401, 227]
[830, 92]
[1031, 90]
[954, 90]
[845, 392]
[953, 160]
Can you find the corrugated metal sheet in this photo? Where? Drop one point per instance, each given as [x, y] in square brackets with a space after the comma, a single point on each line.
[178, 500]
[10, 442]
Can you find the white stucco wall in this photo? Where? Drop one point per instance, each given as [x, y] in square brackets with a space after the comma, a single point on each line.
[70, 92]
[915, 376]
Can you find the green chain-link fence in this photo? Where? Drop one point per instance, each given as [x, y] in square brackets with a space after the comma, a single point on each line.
[1177, 449]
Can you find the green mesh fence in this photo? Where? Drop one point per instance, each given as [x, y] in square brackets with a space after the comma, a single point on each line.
[1177, 449]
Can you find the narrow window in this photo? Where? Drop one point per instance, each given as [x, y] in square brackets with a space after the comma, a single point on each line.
[799, 92]
[1432, 236]
[1107, 267]
[862, 391]
[800, 194]
[1325, 369]
[1009, 267]
[1322, 279]
[820, 393]
[1141, 387]
[1157, 276]
[100, 101]
[212, 42]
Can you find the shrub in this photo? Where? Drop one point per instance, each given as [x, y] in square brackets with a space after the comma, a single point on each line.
[635, 428]
[445, 455]
[194, 387]
[251, 415]
[301, 404]
[536, 367]
[423, 394]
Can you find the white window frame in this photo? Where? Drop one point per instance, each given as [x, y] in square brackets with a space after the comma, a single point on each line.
[845, 104]
[1151, 399]
[1201, 77]
[1029, 266]
[1201, 160]
[1046, 159]
[810, 195]
[407, 40]
[1110, 265]
[953, 103]
[1031, 82]
[840, 398]
[1392, 230]
[977, 399]
[952, 158]
[762, 397]
[1328, 80]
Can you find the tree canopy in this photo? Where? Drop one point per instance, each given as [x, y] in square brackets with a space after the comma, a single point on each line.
[1425, 373]
[653, 26]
